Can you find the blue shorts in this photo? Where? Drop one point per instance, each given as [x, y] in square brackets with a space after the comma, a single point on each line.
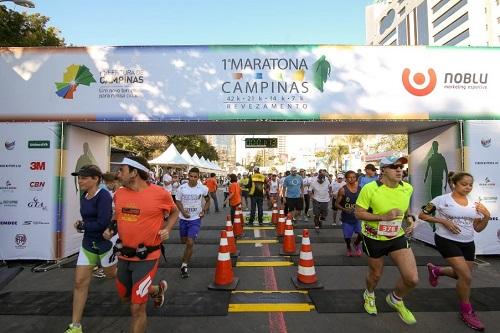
[350, 228]
[189, 229]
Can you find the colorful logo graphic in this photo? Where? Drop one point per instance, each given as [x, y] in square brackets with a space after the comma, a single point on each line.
[420, 85]
[9, 145]
[321, 72]
[74, 76]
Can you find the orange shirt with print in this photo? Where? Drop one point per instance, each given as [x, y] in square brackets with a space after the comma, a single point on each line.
[211, 183]
[236, 198]
[140, 217]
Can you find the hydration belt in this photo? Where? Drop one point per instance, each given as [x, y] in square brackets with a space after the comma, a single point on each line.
[141, 252]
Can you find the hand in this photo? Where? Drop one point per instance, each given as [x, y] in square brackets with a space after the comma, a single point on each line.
[409, 227]
[202, 213]
[107, 234]
[481, 209]
[392, 215]
[186, 214]
[164, 234]
[452, 227]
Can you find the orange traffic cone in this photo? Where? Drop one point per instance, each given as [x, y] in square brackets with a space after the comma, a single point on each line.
[237, 225]
[230, 238]
[306, 274]
[288, 247]
[280, 227]
[274, 215]
[224, 278]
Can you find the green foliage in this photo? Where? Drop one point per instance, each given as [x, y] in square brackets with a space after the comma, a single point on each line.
[194, 144]
[22, 29]
[396, 142]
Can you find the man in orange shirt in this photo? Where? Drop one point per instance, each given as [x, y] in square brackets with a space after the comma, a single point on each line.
[234, 197]
[140, 208]
[211, 183]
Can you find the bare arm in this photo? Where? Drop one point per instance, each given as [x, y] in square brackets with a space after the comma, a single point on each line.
[363, 214]
[340, 196]
[480, 224]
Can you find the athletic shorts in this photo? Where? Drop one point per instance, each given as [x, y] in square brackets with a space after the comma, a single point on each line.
[333, 204]
[244, 194]
[378, 248]
[350, 228]
[93, 253]
[133, 279]
[189, 229]
[294, 204]
[450, 248]
[320, 208]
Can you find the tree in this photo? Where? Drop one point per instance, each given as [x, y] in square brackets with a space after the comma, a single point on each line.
[194, 144]
[396, 142]
[22, 29]
[333, 155]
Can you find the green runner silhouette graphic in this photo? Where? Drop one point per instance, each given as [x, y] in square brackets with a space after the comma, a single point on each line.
[85, 159]
[322, 70]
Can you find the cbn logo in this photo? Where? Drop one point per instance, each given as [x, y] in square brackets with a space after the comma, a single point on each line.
[419, 84]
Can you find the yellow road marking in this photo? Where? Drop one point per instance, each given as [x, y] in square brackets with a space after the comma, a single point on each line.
[276, 307]
[257, 241]
[263, 263]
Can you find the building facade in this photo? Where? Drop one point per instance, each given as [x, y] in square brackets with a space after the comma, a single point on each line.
[433, 22]
[226, 149]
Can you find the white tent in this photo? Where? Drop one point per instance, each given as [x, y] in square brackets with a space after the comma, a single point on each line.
[170, 156]
[197, 160]
[185, 155]
[205, 163]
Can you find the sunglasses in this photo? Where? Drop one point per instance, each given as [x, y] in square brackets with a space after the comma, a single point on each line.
[395, 166]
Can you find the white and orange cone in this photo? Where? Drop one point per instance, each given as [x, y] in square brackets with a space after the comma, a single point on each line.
[280, 227]
[275, 214]
[224, 278]
[230, 238]
[306, 275]
[238, 224]
[289, 247]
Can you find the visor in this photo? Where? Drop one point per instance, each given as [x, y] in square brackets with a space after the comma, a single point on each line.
[132, 163]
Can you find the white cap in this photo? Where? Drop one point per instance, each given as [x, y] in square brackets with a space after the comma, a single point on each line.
[132, 163]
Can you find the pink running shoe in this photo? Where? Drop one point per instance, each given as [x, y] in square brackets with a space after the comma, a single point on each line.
[471, 320]
[349, 253]
[357, 252]
[433, 277]
[159, 298]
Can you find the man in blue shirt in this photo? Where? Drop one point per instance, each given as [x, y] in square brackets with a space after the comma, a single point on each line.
[370, 175]
[293, 189]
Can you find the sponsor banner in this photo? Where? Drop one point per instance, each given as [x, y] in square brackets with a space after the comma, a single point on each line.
[82, 147]
[482, 156]
[28, 190]
[249, 82]
[433, 153]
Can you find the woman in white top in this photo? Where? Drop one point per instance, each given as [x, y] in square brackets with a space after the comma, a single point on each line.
[456, 218]
[225, 189]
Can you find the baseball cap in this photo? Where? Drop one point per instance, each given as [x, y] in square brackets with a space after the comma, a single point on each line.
[89, 170]
[393, 160]
[370, 166]
[293, 169]
[256, 168]
[340, 175]
[132, 163]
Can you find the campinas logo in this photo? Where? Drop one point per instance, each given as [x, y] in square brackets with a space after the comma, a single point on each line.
[419, 84]
[74, 76]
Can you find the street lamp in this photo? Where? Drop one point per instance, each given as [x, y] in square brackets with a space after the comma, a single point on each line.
[23, 3]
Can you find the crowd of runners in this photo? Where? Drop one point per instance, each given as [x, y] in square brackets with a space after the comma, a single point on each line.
[126, 218]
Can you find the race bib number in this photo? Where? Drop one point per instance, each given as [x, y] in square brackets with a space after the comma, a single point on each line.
[192, 208]
[389, 228]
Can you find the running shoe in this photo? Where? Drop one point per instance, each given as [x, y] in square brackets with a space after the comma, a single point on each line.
[471, 320]
[433, 277]
[402, 310]
[370, 306]
[184, 272]
[98, 273]
[357, 251]
[349, 253]
[73, 329]
[317, 228]
[159, 298]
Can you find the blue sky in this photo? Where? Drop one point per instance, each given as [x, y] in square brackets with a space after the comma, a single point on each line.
[205, 22]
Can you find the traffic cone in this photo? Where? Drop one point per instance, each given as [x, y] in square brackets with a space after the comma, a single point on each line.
[239, 212]
[306, 274]
[275, 214]
[289, 247]
[237, 225]
[280, 227]
[224, 278]
[230, 238]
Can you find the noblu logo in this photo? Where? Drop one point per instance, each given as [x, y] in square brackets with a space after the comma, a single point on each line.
[419, 84]
[486, 142]
[9, 145]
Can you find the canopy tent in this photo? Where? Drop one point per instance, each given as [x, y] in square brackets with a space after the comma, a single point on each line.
[171, 157]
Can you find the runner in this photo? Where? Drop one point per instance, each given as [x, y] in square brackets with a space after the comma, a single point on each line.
[273, 190]
[96, 212]
[382, 206]
[140, 208]
[370, 176]
[234, 198]
[175, 185]
[336, 186]
[457, 218]
[244, 190]
[306, 182]
[167, 180]
[225, 189]
[346, 203]
[321, 194]
[189, 200]
[294, 190]
[211, 184]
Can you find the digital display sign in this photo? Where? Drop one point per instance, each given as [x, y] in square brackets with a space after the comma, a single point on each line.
[261, 142]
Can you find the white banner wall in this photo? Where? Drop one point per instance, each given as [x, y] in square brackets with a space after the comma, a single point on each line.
[81, 147]
[432, 154]
[29, 183]
[482, 156]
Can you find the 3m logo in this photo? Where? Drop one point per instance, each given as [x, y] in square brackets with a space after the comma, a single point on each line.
[419, 84]
[37, 166]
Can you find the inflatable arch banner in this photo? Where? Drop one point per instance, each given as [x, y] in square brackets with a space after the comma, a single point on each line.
[169, 83]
